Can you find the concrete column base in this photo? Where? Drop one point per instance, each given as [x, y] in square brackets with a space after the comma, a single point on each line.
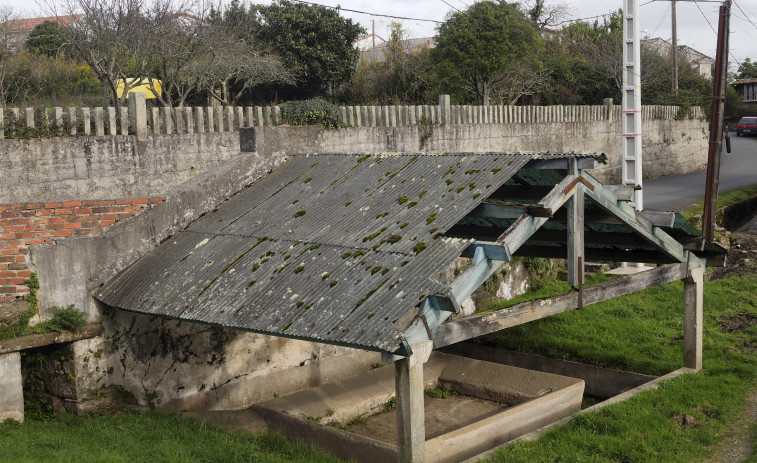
[12, 394]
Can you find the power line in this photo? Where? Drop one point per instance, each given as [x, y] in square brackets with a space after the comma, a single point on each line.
[745, 15]
[369, 13]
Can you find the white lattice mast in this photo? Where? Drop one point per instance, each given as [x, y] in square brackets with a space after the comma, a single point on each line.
[631, 172]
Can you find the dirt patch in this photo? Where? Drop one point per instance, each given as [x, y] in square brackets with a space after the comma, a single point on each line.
[738, 323]
[686, 421]
[742, 256]
[737, 442]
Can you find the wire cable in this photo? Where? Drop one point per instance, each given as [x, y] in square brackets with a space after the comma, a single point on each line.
[370, 14]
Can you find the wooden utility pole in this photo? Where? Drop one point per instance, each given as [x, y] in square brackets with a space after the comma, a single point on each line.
[716, 124]
[674, 51]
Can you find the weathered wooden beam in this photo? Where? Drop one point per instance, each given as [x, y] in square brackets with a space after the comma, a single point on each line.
[477, 325]
[622, 192]
[654, 235]
[520, 231]
[693, 318]
[659, 218]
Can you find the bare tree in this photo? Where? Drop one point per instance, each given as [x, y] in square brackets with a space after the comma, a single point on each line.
[522, 79]
[7, 15]
[543, 14]
[233, 66]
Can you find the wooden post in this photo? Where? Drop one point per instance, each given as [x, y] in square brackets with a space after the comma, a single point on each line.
[411, 431]
[576, 238]
[693, 318]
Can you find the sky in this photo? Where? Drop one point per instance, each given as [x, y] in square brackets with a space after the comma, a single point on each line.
[693, 27]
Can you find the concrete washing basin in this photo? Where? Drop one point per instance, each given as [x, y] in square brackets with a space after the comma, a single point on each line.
[487, 404]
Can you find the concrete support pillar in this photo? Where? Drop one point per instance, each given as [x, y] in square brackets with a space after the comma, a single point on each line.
[168, 120]
[12, 397]
[218, 113]
[58, 119]
[576, 237]
[72, 120]
[124, 114]
[267, 116]
[230, 118]
[29, 118]
[99, 122]
[343, 112]
[155, 120]
[250, 116]
[188, 119]
[277, 115]
[607, 102]
[693, 318]
[411, 430]
[240, 116]
[137, 115]
[259, 116]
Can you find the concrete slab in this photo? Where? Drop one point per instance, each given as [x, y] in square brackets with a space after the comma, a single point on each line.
[12, 398]
[626, 270]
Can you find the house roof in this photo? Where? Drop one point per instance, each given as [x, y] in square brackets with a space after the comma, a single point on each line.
[26, 25]
[744, 81]
[345, 249]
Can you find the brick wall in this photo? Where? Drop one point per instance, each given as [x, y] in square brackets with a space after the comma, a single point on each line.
[25, 224]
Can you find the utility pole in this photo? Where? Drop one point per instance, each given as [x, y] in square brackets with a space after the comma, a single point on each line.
[631, 122]
[675, 49]
[373, 32]
[716, 123]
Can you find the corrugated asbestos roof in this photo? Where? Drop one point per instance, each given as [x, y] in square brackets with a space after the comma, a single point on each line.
[335, 248]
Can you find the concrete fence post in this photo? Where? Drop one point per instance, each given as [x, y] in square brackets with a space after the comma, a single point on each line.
[155, 120]
[199, 120]
[125, 120]
[99, 122]
[230, 124]
[218, 113]
[608, 104]
[267, 116]
[72, 120]
[240, 116]
[188, 119]
[250, 111]
[137, 115]
[12, 399]
[259, 116]
[343, 112]
[29, 118]
[445, 107]
[112, 129]
[358, 117]
[86, 117]
[168, 120]
[277, 115]
[210, 120]
[180, 123]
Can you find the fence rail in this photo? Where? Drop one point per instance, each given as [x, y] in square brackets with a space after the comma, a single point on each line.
[141, 121]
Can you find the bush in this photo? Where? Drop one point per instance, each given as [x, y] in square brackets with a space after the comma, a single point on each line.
[316, 111]
[68, 319]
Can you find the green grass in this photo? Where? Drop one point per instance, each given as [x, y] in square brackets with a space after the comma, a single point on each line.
[725, 199]
[643, 332]
[152, 437]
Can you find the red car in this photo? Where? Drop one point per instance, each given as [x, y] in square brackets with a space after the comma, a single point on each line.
[746, 126]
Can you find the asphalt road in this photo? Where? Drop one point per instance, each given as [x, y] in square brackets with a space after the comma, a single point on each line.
[680, 192]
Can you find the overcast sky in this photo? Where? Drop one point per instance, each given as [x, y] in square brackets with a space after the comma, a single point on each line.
[693, 28]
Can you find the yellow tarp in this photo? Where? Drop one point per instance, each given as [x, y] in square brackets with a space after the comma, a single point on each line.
[142, 86]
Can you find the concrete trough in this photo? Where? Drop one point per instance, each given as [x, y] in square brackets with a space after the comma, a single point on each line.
[491, 404]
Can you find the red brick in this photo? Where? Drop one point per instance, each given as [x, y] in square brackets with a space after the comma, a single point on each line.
[45, 234]
[56, 220]
[132, 209]
[83, 210]
[63, 211]
[40, 221]
[26, 213]
[3, 267]
[125, 216]
[7, 259]
[7, 289]
[7, 273]
[124, 201]
[23, 251]
[140, 201]
[26, 235]
[106, 202]
[55, 226]
[90, 203]
[8, 252]
[108, 217]
[52, 205]
[15, 281]
[60, 233]
[43, 212]
[34, 205]
[20, 221]
[90, 224]
[24, 273]
[17, 267]
[3, 208]
[76, 218]
[107, 223]
[30, 242]
[16, 207]
[16, 228]
[14, 244]
[101, 210]
[71, 226]
[158, 199]
[71, 203]
[21, 258]
[7, 236]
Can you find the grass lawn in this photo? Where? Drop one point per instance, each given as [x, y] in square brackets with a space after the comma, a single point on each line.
[152, 437]
[640, 332]
[643, 332]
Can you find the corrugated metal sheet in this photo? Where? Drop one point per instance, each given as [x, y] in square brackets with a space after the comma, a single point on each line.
[335, 248]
